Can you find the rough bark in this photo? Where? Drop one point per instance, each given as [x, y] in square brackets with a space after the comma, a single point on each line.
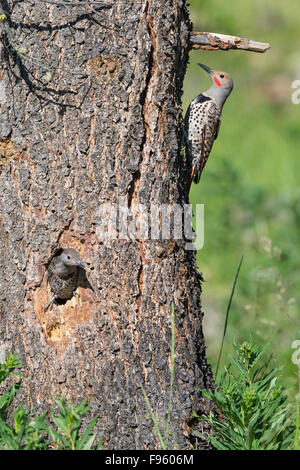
[90, 113]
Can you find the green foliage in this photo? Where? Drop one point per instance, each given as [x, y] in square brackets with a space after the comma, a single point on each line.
[256, 411]
[27, 433]
[11, 363]
[67, 434]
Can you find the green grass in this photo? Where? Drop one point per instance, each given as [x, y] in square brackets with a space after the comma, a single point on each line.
[250, 186]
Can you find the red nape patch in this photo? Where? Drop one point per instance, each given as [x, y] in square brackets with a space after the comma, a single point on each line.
[217, 81]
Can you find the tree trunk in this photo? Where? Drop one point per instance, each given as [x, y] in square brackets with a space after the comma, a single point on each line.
[90, 115]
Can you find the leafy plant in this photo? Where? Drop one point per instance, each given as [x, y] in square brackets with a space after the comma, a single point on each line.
[256, 412]
[227, 313]
[27, 433]
[67, 434]
[11, 363]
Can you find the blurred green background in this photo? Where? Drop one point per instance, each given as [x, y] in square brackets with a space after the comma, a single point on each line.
[251, 184]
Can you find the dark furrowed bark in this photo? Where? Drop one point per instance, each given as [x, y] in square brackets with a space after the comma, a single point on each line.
[90, 115]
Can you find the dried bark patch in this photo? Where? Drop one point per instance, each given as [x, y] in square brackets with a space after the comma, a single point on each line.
[8, 151]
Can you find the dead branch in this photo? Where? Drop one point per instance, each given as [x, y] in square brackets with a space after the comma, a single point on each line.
[73, 4]
[215, 41]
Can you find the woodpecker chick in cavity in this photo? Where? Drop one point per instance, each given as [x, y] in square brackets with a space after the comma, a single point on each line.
[63, 274]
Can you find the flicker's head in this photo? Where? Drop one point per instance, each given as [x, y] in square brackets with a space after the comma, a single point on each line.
[222, 84]
[70, 257]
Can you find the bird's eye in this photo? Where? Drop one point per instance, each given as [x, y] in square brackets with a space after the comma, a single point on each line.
[69, 257]
[222, 76]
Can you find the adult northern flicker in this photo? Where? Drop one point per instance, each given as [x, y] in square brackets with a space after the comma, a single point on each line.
[203, 118]
[63, 273]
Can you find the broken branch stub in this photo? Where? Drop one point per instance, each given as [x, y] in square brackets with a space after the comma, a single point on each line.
[216, 41]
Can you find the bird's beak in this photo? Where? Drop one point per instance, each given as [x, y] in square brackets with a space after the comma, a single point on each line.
[207, 69]
[80, 263]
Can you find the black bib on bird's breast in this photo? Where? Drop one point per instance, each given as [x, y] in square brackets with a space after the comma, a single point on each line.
[201, 99]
